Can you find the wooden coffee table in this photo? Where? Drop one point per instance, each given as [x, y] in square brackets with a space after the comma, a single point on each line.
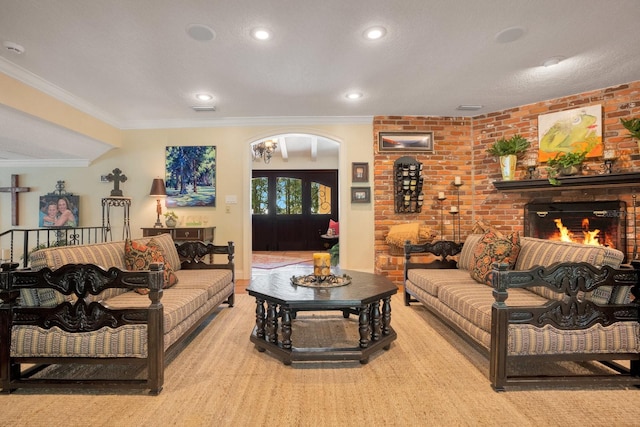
[278, 301]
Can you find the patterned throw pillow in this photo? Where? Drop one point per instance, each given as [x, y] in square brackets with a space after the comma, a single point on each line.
[138, 256]
[494, 248]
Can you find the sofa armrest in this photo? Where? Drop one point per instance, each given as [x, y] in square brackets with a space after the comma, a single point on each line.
[192, 255]
[441, 248]
[573, 281]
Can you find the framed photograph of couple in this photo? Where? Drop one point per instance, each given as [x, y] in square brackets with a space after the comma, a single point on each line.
[405, 141]
[59, 210]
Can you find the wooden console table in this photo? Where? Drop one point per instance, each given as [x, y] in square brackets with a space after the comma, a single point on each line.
[183, 234]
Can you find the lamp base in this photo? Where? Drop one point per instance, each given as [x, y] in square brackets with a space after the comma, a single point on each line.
[157, 225]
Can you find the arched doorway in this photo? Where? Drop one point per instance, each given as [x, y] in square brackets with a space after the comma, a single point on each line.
[294, 192]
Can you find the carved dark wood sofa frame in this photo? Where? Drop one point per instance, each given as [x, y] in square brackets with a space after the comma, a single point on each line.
[83, 280]
[571, 313]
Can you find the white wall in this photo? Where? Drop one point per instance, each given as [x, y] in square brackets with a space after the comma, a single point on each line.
[141, 158]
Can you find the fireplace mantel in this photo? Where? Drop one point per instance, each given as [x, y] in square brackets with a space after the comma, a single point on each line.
[629, 179]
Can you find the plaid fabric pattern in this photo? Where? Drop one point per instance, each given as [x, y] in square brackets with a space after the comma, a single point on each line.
[619, 338]
[474, 302]
[126, 341]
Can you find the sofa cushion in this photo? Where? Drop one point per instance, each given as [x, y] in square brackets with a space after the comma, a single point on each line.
[494, 248]
[474, 302]
[138, 256]
[430, 280]
[466, 259]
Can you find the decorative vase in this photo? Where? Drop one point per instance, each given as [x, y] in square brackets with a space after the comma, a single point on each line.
[569, 170]
[170, 222]
[508, 167]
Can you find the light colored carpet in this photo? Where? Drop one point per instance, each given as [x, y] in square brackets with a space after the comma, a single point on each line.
[430, 376]
[271, 261]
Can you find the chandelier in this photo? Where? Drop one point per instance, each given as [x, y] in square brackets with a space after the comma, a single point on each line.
[264, 150]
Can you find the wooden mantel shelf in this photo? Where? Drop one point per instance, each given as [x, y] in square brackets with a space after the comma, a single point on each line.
[629, 179]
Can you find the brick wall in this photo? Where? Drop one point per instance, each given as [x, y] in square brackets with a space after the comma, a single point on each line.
[459, 150]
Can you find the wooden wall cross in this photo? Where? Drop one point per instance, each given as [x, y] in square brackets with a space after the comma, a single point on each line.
[14, 190]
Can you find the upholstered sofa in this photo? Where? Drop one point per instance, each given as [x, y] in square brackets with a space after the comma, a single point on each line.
[546, 301]
[81, 305]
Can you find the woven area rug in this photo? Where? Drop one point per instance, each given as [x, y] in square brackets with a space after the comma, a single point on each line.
[429, 376]
[270, 261]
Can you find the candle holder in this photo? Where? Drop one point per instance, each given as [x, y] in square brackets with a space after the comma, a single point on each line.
[457, 183]
[454, 212]
[441, 199]
[609, 157]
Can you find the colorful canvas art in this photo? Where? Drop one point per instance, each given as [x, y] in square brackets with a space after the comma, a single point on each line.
[190, 176]
[570, 131]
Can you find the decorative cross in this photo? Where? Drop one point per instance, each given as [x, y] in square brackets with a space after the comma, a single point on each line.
[117, 178]
[14, 190]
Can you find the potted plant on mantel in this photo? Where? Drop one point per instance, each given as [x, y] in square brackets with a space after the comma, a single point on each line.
[564, 164]
[633, 126]
[508, 151]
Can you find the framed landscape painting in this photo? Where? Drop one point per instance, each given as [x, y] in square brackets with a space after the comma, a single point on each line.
[405, 141]
[190, 176]
[570, 131]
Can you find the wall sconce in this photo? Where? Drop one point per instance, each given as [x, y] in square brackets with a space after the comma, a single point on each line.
[158, 190]
[264, 150]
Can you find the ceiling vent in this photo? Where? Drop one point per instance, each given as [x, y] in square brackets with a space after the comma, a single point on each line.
[13, 47]
[469, 107]
[203, 108]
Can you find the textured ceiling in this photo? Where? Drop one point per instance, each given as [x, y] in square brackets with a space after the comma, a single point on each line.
[133, 65]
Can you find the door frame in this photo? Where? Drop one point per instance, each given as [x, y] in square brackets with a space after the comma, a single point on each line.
[246, 196]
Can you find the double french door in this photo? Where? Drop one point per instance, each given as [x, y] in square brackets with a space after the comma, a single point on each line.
[292, 208]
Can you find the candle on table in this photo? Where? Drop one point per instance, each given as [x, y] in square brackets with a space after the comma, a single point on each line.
[321, 264]
[457, 180]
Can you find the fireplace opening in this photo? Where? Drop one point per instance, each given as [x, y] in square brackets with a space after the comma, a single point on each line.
[593, 223]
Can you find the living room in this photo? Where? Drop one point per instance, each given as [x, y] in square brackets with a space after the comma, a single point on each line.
[460, 140]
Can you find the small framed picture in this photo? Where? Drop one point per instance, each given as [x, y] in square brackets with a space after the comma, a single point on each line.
[360, 194]
[359, 172]
[405, 141]
[59, 210]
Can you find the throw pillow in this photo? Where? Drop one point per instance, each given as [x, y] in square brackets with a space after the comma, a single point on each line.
[494, 248]
[335, 226]
[138, 256]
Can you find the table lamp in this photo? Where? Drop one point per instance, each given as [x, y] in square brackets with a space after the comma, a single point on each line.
[158, 190]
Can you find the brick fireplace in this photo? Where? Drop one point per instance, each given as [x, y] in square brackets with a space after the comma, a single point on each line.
[602, 223]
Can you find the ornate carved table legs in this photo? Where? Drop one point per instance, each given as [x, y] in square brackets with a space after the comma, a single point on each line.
[374, 328]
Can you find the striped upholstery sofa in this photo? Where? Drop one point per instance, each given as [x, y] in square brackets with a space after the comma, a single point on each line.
[78, 304]
[560, 302]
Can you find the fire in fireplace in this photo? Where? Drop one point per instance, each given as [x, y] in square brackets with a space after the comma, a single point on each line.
[593, 223]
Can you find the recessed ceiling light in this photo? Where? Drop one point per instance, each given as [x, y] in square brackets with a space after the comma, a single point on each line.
[375, 33]
[261, 34]
[510, 34]
[555, 60]
[200, 32]
[13, 47]
[353, 95]
[204, 97]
